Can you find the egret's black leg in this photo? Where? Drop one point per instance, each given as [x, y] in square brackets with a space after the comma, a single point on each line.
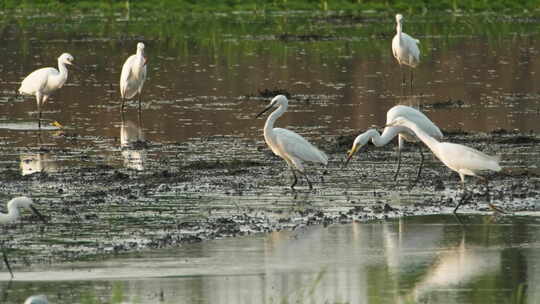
[39, 116]
[398, 164]
[4, 253]
[420, 167]
[295, 179]
[140, 100]
[308, 181]
[411, 80]
[464, 199]
[123, 102]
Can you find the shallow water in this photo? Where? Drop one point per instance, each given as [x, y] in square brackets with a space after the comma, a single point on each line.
[470, 259]
[477, 73]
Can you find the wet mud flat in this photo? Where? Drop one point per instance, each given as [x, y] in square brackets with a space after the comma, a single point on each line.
[171, 194]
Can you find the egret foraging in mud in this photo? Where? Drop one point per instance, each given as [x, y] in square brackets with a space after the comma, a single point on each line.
[405, 49]
[13, 215]
[403, 133]
[45, 81]
[290, 146]
[133, 76]
[460, 158]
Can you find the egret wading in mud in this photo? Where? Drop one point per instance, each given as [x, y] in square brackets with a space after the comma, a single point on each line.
[290, 146]
[403, 133]
[13, 215]
[45, 81]
[133, 76]
[460, 158]
[405, 49]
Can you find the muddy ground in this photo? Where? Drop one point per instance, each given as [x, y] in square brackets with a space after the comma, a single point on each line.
[219, 187]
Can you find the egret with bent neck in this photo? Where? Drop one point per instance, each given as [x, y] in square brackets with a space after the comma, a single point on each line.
[459, 158]
[13, 215]
[403, 133]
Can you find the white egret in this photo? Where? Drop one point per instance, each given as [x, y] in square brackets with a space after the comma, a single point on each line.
[133, 75]
[460, 158]
[13, 215]
[37, 299]
[290, 146]
[405, 49]
[45, 81]
[404, 134]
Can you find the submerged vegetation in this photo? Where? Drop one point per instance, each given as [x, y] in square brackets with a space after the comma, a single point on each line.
[188, 6]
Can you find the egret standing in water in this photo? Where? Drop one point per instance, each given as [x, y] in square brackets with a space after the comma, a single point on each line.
[133, 76]
[45, 81]
[290, 146]
[403, 133]
[460, 158]
[13, 215]
[405, 49]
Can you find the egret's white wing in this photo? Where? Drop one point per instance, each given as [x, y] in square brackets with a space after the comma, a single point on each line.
[458, 157]
[413, 115]
[297, 146]
[124, 76]
[36, 81]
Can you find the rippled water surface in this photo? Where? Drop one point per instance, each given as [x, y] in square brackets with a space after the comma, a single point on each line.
[430, 259]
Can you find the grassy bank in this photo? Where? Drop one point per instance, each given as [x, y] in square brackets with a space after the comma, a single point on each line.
[179, 6]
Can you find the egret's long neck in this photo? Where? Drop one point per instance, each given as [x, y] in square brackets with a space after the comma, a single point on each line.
[13, 215]
[398, 30]
[382, 139]
[62, 77]
[269, 125]
[424, 137]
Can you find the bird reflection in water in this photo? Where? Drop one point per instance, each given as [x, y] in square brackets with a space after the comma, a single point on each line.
[38, 160]
[133, 144]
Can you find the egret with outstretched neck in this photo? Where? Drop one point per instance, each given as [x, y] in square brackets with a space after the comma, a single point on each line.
[290, 146]
[133, 76]
[459, 158]
[403, 133]
[405, 49]
[13, 215]
[45, 81]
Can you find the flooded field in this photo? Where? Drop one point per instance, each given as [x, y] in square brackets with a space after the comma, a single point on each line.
[193, 167]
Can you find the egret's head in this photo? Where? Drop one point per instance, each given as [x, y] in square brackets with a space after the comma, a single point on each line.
[279, 100]
[399, 18]
[27, 203]
[358, 143]
[66, 58]
[140, 50]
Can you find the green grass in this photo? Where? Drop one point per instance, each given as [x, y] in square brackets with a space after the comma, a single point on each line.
[141, 7]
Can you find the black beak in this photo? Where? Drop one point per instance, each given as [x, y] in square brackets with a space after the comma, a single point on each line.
[267, 108]
[41, 217]
[349, 157]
